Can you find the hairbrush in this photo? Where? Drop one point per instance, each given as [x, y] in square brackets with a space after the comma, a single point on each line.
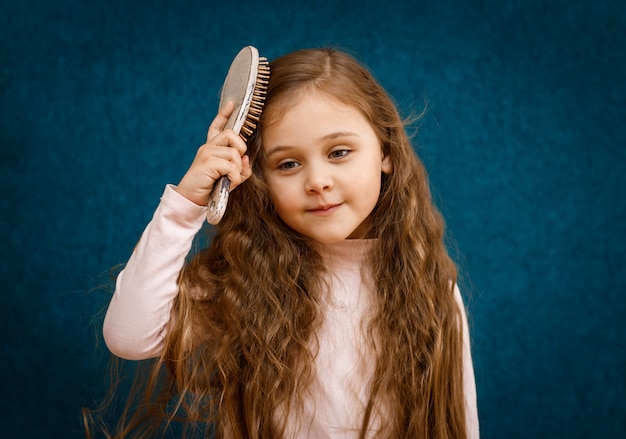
[245, 85]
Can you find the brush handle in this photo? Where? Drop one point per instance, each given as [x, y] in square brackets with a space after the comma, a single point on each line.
[218, 200]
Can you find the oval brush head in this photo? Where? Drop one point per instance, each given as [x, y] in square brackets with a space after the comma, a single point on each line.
[245, 85]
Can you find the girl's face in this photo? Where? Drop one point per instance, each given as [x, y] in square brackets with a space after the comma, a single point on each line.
[323, 168]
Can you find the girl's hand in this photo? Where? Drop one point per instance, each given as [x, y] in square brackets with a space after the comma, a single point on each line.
[222, 154]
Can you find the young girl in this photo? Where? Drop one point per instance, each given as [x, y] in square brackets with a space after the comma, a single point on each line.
[326, 305]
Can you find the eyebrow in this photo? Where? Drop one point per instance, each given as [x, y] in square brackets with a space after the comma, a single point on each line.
[327, 137]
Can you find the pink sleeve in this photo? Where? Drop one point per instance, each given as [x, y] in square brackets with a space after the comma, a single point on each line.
[136, 321]
[469, 383]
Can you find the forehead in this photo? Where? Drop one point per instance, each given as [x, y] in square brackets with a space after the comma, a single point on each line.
[311, 115]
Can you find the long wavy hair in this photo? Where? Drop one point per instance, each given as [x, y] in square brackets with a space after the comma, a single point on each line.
[243, 337]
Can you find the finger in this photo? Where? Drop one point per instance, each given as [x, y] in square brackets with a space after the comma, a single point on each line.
[228, 139]
[244, 173]
[223, 156]
[246, 168]
[213, 156]
[220, 120]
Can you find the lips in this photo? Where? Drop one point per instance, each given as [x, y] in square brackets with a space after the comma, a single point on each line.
[324, 210]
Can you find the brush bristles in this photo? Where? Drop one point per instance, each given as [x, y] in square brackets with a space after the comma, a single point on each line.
[258, 99]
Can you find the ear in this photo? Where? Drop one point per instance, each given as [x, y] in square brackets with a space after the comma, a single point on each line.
[387, 166]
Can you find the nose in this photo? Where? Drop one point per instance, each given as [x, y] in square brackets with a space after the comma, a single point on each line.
[319, 179]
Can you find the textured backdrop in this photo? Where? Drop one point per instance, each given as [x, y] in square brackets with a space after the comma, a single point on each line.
[104, 102]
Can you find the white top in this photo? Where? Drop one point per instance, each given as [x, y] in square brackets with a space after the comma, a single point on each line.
[136, 321]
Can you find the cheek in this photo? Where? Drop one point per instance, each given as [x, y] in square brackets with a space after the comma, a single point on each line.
[367, 177]
[281, 196]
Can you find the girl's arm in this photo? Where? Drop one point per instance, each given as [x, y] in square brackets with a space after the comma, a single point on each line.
[469, 383]
[136, 321]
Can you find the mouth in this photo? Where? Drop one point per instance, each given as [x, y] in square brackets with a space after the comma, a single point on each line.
[324, 210]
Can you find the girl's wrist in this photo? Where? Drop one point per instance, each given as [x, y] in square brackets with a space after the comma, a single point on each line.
[191, 195]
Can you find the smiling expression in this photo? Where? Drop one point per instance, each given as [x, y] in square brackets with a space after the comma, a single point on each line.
[323, 167]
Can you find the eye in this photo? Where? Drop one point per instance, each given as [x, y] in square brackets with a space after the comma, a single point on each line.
[338, 153]
[288, 165]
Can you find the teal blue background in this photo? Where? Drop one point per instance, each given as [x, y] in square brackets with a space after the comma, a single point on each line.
[104, 102]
